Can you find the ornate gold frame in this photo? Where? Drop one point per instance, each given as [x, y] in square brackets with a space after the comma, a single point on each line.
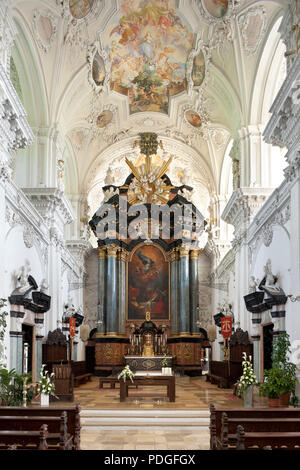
[169, 280]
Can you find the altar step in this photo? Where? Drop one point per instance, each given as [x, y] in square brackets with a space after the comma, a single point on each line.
[97, 420]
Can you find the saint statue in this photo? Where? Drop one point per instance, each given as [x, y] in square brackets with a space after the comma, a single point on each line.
[22, 284]
[69, 308]
[44, 286]
[252, 285]
[269, 284]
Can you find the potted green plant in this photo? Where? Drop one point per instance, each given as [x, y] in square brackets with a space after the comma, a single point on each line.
[271, 386]
[280, 381]
[11, 388]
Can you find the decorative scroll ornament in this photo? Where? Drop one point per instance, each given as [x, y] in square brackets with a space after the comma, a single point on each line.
[81, 11]
[253, 26]
[77, 15]
[44, 28]
[267, 235]
[100, 122]
[219, 19]
[196, 118]
[28, 237]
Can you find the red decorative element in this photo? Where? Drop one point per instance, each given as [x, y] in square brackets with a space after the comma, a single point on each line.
[226, 327]
[72, 327]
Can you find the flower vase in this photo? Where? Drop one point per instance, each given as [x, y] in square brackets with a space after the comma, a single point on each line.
[44, 399]
[248, 397]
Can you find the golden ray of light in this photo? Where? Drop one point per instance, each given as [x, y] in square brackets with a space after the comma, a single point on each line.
[164, 168]
[148, 165]
[133, 169]
[162, 199]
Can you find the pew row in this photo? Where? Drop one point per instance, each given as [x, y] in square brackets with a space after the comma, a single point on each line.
[257, 426]
[72, 417]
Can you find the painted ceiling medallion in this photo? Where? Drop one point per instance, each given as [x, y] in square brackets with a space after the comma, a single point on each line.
[98, 70]
[193, 118]
[80, 8]
[148, 47]
[104, 118]
[216, 8]
[44, 26]
[198, 70]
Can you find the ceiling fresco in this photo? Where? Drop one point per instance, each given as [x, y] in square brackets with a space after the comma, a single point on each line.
[80, 8]
[216, 8]
[148, 46]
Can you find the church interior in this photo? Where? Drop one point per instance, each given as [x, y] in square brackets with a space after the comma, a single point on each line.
[150, 224]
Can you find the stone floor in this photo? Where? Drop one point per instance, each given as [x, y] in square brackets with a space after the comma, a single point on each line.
[191, 394]
[145, 440]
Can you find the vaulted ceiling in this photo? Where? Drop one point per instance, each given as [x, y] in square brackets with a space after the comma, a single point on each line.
[102, 71]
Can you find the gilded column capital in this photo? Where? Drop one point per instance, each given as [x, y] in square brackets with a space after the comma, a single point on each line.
[101, 252]
[111, 251]
[122, 255]
[173, 255]
[183, 251]
[194, 254]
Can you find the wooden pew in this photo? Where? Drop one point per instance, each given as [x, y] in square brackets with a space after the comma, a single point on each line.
[223, 429]
[73, 416]
[14, 440]
[64, 382]
[79, 372]
[223, 375]
[267, 440]
[58, 437]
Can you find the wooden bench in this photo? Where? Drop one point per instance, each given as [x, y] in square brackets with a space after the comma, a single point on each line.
[73, 417]
[79, 373]
[224, 423]
[57, 436]
[267, 440]
[15, 440]
[64, 382]
[112, 381]
[223, 375]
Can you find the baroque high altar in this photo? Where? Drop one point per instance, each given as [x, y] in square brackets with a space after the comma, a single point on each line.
[147, 233]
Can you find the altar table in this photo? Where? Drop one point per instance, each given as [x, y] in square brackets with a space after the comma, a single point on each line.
[147, 363]
[159, 380]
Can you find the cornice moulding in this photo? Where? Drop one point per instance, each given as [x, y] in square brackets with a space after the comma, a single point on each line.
[51, 199]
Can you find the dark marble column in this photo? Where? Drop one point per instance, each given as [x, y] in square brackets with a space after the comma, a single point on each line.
[111, 291]
[101, 326]
[174, 281]
[184, 280]
[122, 258]
[194, 290]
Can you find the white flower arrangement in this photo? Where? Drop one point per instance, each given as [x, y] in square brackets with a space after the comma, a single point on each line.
[248, 378]
[126, 374]
[46, 384]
